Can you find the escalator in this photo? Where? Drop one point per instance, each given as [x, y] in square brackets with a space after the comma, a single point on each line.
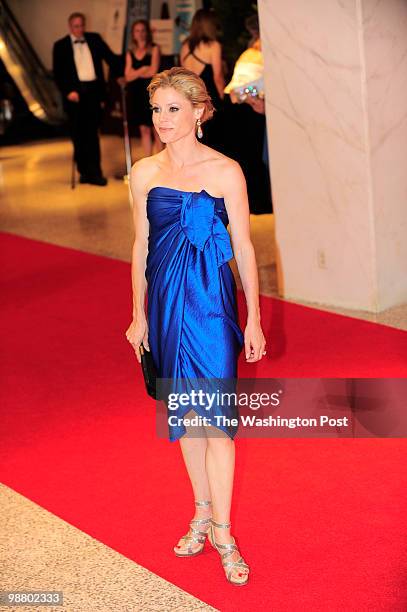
[26, 85]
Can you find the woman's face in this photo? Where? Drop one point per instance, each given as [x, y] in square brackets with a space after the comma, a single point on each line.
[174, 116]
[139, 33]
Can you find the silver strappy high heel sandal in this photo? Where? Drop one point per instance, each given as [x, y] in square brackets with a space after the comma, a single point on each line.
[229, 566]
[195, 535]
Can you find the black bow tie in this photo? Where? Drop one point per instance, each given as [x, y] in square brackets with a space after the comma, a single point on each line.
[79, 40]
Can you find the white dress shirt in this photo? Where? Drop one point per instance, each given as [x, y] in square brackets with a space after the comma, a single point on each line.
[83, 60]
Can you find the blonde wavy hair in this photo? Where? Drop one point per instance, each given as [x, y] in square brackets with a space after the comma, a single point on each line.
[187, 83]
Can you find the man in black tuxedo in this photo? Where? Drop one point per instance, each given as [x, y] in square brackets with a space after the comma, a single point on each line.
[78, 72]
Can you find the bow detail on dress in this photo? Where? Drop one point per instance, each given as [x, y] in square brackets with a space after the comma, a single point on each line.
[199, 222]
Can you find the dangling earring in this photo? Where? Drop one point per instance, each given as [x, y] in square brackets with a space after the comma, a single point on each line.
[199, 131]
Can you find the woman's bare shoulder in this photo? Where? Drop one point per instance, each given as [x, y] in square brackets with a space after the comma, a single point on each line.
[214, 45]
[227, 171]
[142, 172]
[224, 163]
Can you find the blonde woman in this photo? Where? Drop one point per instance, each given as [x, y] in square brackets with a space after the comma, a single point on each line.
[184, 197]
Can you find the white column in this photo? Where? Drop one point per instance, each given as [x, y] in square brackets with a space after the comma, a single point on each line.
[336, 103]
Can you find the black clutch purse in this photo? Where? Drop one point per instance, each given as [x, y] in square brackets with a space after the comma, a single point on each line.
[149, 372]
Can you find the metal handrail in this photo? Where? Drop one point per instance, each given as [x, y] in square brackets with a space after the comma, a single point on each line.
[35, 83]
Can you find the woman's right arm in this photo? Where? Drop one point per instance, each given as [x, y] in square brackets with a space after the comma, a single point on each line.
[130, 74]
[138, 329]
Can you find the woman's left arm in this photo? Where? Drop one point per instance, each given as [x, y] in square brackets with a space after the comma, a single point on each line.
[237, 206]
[216, 61]
[146, 72]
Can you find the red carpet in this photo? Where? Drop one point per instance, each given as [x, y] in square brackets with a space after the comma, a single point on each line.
[321, 522]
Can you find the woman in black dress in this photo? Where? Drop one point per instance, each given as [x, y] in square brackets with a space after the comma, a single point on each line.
[142, 62]
[201, 53]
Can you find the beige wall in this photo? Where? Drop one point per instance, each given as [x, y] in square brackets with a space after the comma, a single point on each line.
[336, 99]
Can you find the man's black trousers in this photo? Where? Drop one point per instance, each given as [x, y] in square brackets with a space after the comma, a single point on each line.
[84, 122]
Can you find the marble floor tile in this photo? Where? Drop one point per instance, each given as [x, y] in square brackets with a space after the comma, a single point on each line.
[40, 551]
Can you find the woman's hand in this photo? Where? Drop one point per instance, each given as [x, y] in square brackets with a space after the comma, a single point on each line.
[73, 96]
[254, 341]
[257, 104]
[136, 334]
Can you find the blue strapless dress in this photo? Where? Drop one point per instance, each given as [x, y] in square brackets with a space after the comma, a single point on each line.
[191, 290]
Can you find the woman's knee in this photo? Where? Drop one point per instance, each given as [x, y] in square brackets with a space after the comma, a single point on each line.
[219, 441]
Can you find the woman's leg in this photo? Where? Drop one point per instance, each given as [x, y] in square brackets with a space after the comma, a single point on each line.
[210, 463]
[193, 452]
[193, 446]
[220, 466]
[146, 140]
